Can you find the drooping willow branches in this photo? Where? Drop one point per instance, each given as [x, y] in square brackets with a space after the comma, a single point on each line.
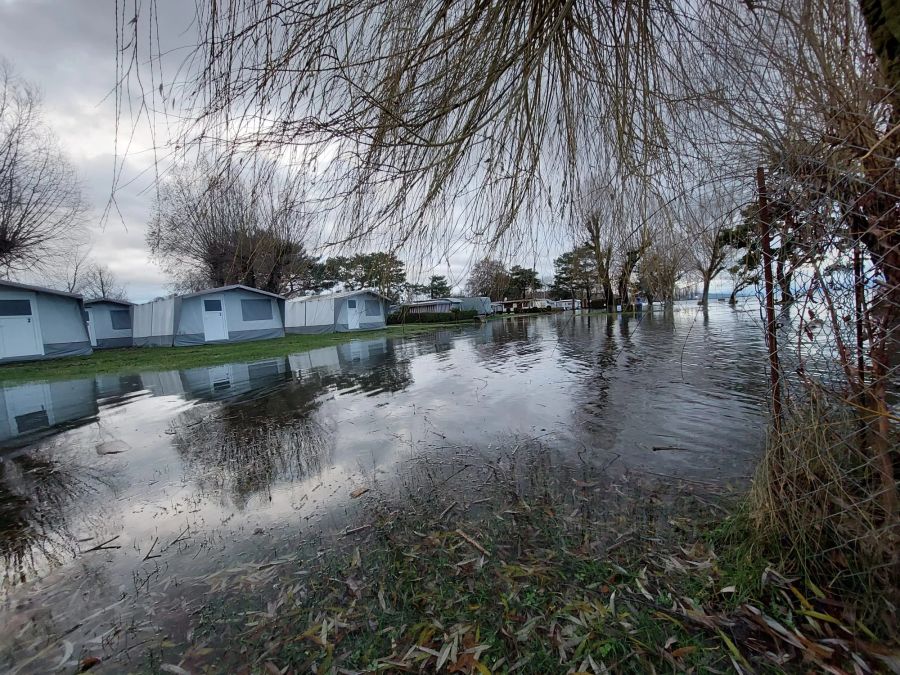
[407, 112]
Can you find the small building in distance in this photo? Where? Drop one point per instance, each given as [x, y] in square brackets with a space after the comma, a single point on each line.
[40, 323]
[365, 309]
[108, 323]
[433, 306]
[481, 304]
[217, 315]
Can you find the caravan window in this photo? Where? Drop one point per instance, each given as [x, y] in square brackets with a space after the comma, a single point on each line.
[351, 304]
[120, 318]
[15, 307]
[256, 310]
[373, 307]
[212, 305]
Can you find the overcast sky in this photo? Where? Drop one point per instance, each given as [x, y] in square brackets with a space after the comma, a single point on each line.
[68, 49]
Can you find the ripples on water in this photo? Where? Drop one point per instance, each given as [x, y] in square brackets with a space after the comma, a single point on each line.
[244, 456]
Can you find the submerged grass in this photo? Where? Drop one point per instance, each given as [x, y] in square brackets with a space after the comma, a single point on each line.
[561, 574]
[137, 359]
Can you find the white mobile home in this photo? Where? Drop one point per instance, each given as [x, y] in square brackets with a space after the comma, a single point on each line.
[481, 304]
[40, 323]
[227, 314]
[433, 306]
[108, 323]
[364, 309]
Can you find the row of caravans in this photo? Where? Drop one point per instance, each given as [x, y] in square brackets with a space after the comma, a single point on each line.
[42, 323]
[527, 304]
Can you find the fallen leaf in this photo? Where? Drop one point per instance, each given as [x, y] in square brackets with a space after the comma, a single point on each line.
[359, 492]
[464, 664]
[87, 663]
[729, 589]
[683, 651]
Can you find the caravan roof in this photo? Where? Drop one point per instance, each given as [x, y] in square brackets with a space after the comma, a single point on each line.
[39, 289]
[230, 288]
[94, 301]
[341, 294]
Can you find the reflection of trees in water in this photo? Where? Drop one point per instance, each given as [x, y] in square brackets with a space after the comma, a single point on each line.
[242, 450]
[702, 363]
[245, 446]
[506, 338]
[37, 497]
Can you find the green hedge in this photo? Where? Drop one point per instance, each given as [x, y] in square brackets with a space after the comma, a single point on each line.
[403, 316]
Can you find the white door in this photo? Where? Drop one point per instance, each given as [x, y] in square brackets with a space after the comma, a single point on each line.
[89, 321]
[220, 377]
[20, 334]
[214, 326]
[353, 313]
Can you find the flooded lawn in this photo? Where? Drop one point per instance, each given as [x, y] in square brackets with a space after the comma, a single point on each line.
[117, 493]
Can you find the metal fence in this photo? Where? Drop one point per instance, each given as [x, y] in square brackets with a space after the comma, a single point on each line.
[829, 249]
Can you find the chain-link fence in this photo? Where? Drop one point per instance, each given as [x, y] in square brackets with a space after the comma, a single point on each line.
[829, 248]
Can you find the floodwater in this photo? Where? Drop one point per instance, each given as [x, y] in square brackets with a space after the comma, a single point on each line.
[114, 488]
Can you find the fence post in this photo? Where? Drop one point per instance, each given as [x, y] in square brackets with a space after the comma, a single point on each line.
[771, 337]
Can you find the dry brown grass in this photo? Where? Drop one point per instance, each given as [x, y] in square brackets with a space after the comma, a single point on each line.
[817, 496]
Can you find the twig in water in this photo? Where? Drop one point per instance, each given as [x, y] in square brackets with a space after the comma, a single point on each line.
[446, 511]
[473, 543]
[178, 538]
[347, 533]
[103, 546]
[148, 556]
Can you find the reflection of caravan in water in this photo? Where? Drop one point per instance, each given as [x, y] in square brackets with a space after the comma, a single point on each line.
[232, 379]
[30, 408]
[110, 386]
[340, 358]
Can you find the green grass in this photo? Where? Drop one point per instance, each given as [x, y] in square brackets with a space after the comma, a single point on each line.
[144, 359]
[531, 584]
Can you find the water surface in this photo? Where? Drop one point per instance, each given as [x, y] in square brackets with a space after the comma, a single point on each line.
[115, 487]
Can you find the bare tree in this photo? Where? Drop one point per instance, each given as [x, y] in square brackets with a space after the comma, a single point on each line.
[707, 218]
[69, 273]
[489, 278]
[40, 197]
[100, 282]
[211, 229]
[408, 109]
[665, 262]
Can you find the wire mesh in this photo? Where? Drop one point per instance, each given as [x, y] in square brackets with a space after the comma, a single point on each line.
[828, 484]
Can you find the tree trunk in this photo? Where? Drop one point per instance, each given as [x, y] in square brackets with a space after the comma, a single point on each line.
[704, 299]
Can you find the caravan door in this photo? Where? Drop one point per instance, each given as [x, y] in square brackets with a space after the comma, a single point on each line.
[89, 320]
[214, 326]
[353, 313]
[20, 334]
